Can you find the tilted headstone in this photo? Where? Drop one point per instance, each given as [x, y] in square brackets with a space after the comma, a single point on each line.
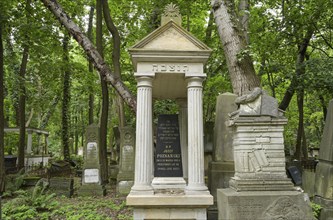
[260, 188]
[221, 169]
[91, 180]
[127, 156]
[324, 169]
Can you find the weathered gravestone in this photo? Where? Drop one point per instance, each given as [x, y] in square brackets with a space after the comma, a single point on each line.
[125, 176]
[221, 169]
[91, 180]
[260, 188]
[324, 169]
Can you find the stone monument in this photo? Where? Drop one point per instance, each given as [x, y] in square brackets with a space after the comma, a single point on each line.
[221, 169]
[260, 188]
[91, 180]
[324, 169]
[125, 178]
[169, 65]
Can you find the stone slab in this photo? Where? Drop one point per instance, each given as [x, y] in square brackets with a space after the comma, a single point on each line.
[161, 206]
[170, 213]
[326, 145]
[151, 201]
[91, 190]
[265, 205]
[324, 180]
[225, 104]
[308, 182]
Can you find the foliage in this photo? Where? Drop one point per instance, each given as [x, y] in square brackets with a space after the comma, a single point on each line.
[30, 205]
[316, 209]
[276, 28]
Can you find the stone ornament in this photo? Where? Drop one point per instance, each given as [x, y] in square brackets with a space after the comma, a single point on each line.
[171, 12]
[256, 103]
[284, 208]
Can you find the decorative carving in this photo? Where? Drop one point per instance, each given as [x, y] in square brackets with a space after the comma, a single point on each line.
[171, 10]
[283, 208]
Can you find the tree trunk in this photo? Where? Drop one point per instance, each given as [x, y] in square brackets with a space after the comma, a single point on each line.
[91, 71]
[323, 106]
[92, 53]
[105, 98]
[244, 12]
[300, 105]
[50, 111]
[66, 99]
[22, 96]
[209, 29]
[300, 69]
[115, 57]
[2, 119]
[240, 66]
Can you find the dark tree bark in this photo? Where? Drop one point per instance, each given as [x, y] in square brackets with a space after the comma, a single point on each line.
[91, 70]
[22, 97]
[115, 57]
[66, 99]
[300, 70]
[323, 106]
[240, 65]
[105, 98]
[243, 9]
[300, 129]
[92, 53]
[209, 29]
[2, 118]
[47, 116]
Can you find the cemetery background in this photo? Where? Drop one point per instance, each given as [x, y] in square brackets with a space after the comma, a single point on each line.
[44, 72]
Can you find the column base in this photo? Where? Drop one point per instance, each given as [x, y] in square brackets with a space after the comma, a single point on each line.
[168, 183]
[141, 190]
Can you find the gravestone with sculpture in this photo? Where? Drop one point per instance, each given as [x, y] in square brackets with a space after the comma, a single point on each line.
[260, 188]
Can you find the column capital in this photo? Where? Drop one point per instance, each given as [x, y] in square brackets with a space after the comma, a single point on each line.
[194, 81]
[144, 81]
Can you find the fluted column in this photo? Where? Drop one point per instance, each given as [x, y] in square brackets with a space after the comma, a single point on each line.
[144, 138]
[183, 134]
[196, 179]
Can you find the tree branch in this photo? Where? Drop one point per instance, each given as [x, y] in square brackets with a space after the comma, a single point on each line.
[91, 51]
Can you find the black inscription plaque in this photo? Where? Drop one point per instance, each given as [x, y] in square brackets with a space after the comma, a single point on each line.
[168, 160]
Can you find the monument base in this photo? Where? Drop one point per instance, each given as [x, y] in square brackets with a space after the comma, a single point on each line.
[261, 184]
[91, 190]
[266, 205]
[219, 175]
[164, 206]
[326, 212]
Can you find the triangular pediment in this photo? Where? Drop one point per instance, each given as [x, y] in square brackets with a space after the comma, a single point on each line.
[170, 37]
